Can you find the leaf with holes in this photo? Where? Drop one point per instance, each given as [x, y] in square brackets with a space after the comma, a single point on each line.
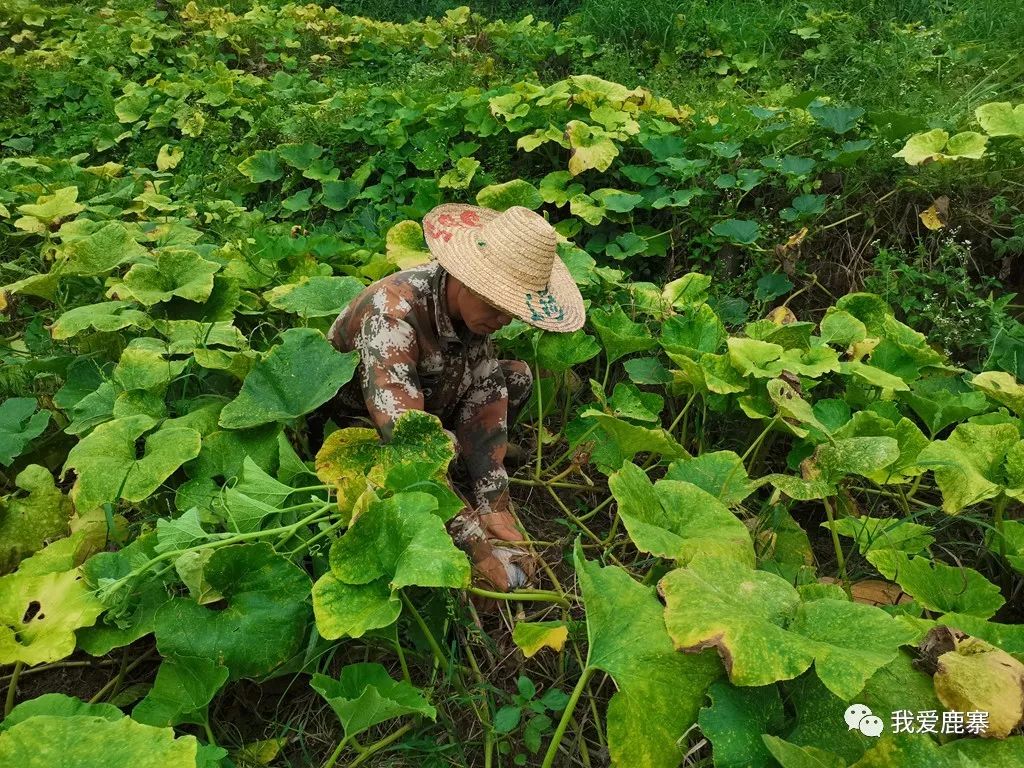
[41, 606]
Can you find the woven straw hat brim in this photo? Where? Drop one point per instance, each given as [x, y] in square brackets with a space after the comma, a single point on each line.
[463, 258]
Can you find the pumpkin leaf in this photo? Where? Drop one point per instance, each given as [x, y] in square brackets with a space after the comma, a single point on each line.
[302, 372]
[659, 691]
[676, 519]
[263, 623]
[364, 695]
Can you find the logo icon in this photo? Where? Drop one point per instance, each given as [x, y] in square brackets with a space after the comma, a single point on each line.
[859, 718]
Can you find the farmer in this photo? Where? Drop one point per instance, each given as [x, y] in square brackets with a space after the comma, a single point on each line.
[423, 339]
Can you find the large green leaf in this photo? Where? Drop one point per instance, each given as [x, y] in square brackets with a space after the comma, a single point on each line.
[619, 335]
[1000, 118]
[105, 316]
[263, 165]
[720, 473]
[108, 465]
[764, 633]
[943, 400]
[792, 756]
[592, 147]
[263, 623]
[315, 296]
[622, 441]
[937, 586]
[59, 705]
[299, 374]
[393, 543]
[501, 197]
[47, 209]
[183, 687]
[968, 465]
[913, 750]
[20, 424]
[868, 456]
[559, 352]
[676, 519]
[659, 690]
[173, 272]
[351, 610]
[695, 330]
[873, 533]
[1003, 388]
[735, 720]
[365, 695]
[402, 539]
[133, 611]
[910, 441]
[819, 721]
[84, 741]
[27, 522]
[100, 252]
[938, 145]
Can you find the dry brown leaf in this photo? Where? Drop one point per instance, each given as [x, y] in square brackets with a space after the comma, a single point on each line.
[936, 216]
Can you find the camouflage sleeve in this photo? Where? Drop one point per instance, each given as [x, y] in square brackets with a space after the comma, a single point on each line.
[388, 352]
[481, 430]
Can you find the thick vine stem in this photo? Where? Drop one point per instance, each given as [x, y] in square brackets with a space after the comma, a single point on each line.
[524, 596]
[563, 723]
[12, 688]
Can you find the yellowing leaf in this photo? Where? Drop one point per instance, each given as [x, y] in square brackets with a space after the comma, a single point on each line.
[977, 676]
[405, 245]
[936, 145]
[592, 147]
[1000, 118]
[168, 157]
[532, 636]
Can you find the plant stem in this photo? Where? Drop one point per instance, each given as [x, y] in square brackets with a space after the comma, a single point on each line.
[537, 596]
[1000, 508]
[757, 442]
[441, 660]
[538, 467]
[12, 688]
[336, 753]
[844, 579]
[401, 656]
[209, 732]
[556, 739]
[379, 745]
[120, 676]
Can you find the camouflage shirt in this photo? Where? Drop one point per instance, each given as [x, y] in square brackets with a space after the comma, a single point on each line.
[413, 357]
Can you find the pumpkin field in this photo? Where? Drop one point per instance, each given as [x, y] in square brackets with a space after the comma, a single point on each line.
[775, 485]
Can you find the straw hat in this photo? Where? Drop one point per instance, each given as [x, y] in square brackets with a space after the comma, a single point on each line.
[508, 258]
